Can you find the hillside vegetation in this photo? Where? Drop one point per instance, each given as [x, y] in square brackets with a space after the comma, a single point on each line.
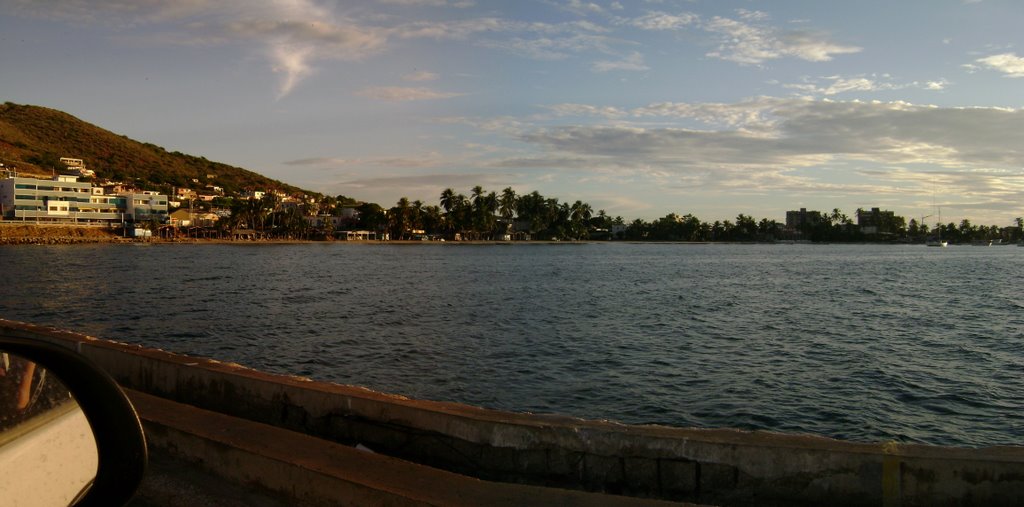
[33, 139]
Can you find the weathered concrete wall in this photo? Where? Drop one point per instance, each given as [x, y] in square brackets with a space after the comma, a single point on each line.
[726, 467]
[316, 472]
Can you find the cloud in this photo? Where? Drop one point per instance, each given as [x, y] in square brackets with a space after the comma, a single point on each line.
[116, 12]
[307, 33]
[633, 62]
[386, 189]
[421, 75]
[403, 94]
[1008, 63]
[751, 42]
[553, 48]
[835, 85]
[457, 30]
[431, 159]
[664, 21]
[749, 114]
[583, 8]
[587, 110]
[430, 3]
[292, 35]
[891, 132]
[771, 144]
[320, 161]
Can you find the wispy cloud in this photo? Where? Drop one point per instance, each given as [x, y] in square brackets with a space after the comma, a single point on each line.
[583, 8]
[404, 94]
[292, 35]
[456, 29]
[420, 75]
[431, 3]
[431, 159]
[748, 38]
[751, 41]
[664, 21]
[633, 62]
[306, 34]
[552, 48]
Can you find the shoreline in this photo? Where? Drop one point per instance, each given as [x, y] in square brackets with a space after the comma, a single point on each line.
[72, 234]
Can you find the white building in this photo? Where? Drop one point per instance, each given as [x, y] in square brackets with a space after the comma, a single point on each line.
[65, 199]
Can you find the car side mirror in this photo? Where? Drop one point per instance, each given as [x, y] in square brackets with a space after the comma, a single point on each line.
[68, 433]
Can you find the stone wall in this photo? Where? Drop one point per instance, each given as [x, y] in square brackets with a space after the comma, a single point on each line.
[720, 466]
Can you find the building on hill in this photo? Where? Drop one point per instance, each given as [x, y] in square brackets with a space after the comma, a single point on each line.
[65, 199]
[77, 166]
[185, 193]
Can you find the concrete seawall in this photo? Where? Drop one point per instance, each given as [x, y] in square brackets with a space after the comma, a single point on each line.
[726, 467]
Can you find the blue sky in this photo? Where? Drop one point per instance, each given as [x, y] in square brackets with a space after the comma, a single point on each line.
[641, 108]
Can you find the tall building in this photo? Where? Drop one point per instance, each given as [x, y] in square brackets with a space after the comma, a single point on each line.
[876, 221]
[797, 219]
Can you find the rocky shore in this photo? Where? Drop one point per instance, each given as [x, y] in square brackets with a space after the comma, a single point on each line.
[33, 234]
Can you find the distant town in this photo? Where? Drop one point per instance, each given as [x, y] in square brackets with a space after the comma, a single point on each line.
[75, 196]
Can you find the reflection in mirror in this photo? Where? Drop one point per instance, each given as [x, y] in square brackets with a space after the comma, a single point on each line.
[48, 454]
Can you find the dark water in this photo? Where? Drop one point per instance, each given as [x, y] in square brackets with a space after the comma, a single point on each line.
[859, 342]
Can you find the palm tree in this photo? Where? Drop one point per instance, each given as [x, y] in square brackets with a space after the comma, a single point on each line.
[507, 203]
[462, 215]
[416, 214]
[448, 200]
[580, 213]
[398, 218]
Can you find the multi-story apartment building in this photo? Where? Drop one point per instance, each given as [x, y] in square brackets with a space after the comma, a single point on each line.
[798, 219]
[876, 221]
[65, 199]
[145, 206]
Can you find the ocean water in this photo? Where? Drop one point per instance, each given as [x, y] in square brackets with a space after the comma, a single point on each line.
[860, 342]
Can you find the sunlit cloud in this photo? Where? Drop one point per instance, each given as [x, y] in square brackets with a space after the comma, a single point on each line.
[293, 64]
[754, 147]
[835, 85]
[1008, 63]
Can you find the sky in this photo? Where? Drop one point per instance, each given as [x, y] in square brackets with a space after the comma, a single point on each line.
[640, 108]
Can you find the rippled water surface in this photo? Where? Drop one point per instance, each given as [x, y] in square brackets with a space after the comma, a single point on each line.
[851, 341]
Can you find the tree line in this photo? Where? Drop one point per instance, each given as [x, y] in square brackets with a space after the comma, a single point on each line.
[488, 215]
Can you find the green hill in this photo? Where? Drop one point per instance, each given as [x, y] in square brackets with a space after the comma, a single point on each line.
[33, 139]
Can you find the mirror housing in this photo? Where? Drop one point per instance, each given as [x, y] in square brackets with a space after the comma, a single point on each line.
[120, 442]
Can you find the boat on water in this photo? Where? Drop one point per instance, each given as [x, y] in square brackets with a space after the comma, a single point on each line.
[936, 240]
[981, 242]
